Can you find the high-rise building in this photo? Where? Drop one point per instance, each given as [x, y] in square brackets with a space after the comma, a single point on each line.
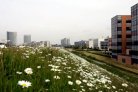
[65, 42]
[11, 38]
[134, 14]
[27, 39]
[121, 38]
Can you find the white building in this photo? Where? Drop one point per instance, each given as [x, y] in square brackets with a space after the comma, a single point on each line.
[3, 43]
[40, 44]
[65, 42]
[97, 43]
[47, 44]
[89, 43]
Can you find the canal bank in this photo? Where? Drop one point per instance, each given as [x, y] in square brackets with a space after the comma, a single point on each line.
[128, 74]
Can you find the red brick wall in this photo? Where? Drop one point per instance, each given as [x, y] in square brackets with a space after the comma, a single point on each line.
[127, 59]
[124, 18]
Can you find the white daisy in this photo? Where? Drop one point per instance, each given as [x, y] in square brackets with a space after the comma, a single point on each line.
[47, 80]
[28, 70]
[24, 83]
[78, 82]
[70, 82]
[56, 77]
[38, 67]
[19, 72]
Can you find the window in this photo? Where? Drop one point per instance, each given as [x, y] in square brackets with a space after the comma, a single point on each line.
[129, 43]
[128, 21]
[119, 21]
[119, 36]
[119, 28]
[128, 28]
[119, 43]
[119, 51]
[128, 36]
[123, 60]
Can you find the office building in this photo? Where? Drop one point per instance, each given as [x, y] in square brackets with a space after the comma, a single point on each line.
[80, 44]
[65, 42]
[12, 38]
[89, 43]
[27, 39]
[106, 44]
[134, 52]
[121, 38]
[97, 43]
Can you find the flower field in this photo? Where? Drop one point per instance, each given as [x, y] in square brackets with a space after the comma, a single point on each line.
[54, 70]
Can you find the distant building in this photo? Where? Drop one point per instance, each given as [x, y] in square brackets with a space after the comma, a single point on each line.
[47, 44]
[109, 44]
[40, 44]
[121, 38]
[134, 14]
[3, 44]
[27, 39]
[12, 38]
[65, 42]
[106, 44]
[97, 43]
[80, 44]
[89, 43]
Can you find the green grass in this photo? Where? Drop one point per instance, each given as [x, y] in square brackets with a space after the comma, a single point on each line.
[18, 59]
[131, 77]
[99, 53]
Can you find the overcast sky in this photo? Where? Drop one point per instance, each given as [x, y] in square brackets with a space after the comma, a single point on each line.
[55, 19]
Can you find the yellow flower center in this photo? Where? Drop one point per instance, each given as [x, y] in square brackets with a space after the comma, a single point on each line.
[24, 85]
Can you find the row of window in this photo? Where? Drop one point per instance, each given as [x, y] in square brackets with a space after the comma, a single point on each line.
[127, 21]
[120, 28]
[134, 61]
[120, 43]
[134, 11]
[116, 51]
[135, 43]
[134, 52]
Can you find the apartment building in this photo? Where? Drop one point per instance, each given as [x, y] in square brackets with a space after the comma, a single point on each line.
[134, 14]
[121, 38]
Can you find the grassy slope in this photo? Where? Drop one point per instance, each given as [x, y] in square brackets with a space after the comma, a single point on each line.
[108, 64]
[110, 61]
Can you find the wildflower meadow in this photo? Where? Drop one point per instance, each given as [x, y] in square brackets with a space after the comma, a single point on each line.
[54, 70]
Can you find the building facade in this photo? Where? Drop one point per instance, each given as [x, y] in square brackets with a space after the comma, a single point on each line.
[40, 44]
[89, 43]
[65, 42]
[134, 14]
[97, 43]
[109, 44]
[121, 35]
[11, 38]
[81, 44]
[104, 44]
[27, 39]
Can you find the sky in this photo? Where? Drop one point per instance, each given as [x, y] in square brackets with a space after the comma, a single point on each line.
[52, 20]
